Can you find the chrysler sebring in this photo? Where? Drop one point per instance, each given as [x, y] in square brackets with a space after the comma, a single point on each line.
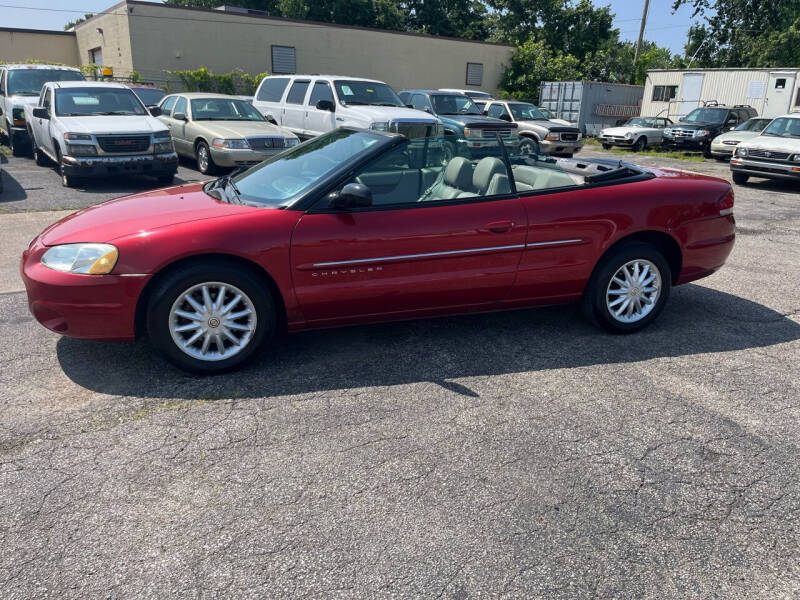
[362, 226]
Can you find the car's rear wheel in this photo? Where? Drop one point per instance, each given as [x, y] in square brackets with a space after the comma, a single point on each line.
[740, 178]
[210, 317]
[18, 148]
[40, 157]
[628, 289]
[707, 151]
[204, 161]
[606, 146]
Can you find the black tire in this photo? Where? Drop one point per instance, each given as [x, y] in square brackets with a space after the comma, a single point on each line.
[175, 284]
[39, 157]
[595, 303]
[205, 163]
[707, 151]
[740, 178]
[529, 146]
[165, 179]
[17, 148]
[448, 152]
[639, 144]
[66, 180]
[606, 146]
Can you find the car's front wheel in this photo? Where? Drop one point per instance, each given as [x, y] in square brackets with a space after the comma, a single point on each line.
[740, 178]
[204, 160]
[210, 317]
[640, 144]
[628, 289]
[529, 146]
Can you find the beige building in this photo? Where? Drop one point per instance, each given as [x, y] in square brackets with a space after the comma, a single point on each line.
[20, 45]
[674, 93]
[151, 39]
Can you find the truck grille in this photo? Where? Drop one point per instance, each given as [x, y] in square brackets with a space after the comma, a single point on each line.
[266, 143]
[683, 133]
[569, 137]
[768, 154]
[490, 133]
[124, 143]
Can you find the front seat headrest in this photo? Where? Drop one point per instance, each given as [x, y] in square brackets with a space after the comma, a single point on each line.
[487, 168]
[458, 173]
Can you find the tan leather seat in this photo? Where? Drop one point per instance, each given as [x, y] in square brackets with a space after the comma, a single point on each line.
[490, 178]
[456, 183]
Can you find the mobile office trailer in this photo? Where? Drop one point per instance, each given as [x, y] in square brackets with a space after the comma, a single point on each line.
[674, 93]
[591, 105]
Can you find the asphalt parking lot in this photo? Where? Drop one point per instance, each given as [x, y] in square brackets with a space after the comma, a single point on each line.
[513, 455]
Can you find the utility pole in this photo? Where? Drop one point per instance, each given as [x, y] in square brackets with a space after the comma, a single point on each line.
[641, 35]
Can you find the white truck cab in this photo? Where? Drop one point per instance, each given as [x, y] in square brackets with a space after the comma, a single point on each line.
[94, 129]
[20, 85]
[310, 105]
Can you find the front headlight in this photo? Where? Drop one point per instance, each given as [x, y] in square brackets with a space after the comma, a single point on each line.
[81, 137]
[87, 259]
[741, 151]
[474, 134]
[234, 144]
[162, 147]
[81, 150]
[290, 142]
[668, 131]
[796, 158]
[628, 135]
[551, 137]
[381, 126]
[701, 133]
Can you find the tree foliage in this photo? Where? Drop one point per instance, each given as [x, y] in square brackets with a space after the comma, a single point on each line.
[70, 24]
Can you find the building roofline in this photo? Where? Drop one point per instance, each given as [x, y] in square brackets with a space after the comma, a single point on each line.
[40, 31]
[213, 11]
[636, 85]
[701, 70]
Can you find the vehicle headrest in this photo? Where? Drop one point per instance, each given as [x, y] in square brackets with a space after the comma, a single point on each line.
[458, 173]
[486, 169]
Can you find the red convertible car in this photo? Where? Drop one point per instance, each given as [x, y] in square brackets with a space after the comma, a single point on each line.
[361, 226]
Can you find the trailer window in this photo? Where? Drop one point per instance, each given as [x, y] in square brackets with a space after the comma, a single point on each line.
[664, 93]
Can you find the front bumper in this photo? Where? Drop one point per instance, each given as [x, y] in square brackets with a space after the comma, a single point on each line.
[766, 169]
[689, 143]
[100, 166]
[96, 307]
[722, 150]
[238, 158]
[560, 147]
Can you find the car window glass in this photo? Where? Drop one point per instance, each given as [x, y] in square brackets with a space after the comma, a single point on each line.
[223, 109]
[454, 104]
[420, 102]
[272, 88]
[787, 127]
[47, 96]
[297, 92]
[497, 111]
[180, 106]
[526, 112]
[168, 103]
[29, 82]
[149, 96]
[353, 92]
[320, 91]
[86, 101]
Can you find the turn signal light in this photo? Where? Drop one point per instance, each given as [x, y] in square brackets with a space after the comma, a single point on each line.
[725, 203]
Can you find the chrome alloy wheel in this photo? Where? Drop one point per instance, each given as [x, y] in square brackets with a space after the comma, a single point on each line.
[203, 158]
[633, 291]
[212, 321]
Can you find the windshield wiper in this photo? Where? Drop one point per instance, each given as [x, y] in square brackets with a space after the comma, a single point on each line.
[356, 103]
[384, 104]
[116, 113]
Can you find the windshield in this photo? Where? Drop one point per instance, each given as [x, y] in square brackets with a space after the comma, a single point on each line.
[706, 115]
[526, 112]
[641, 122]
[84, 101]
[149, 96]
[454, 104]
[224, 109]
[29, 82]
[546, 112]
[753, 125]
[366, 92]
[479, 95]
[283, 178]
[783, 127]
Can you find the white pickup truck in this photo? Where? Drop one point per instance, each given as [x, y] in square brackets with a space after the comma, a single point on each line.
[19, 86]
[310, 105]
[93, 129]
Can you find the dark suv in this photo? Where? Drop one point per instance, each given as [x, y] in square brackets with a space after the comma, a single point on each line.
[696, 130]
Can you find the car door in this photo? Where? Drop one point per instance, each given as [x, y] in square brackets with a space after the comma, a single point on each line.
[319, 121]
[178, 127]
[41, 127]
[166, 106]
[294, 108]
[414, 251]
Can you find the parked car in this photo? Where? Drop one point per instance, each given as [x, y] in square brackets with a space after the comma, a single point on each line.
[20, 85]
[148, 94]
[221, 131]
[467, 132]
[360, 226]
[774, 154]
[723, 145]
[310, 105]
[696, 130]
[637, 133]
[539, 135]
[475, 95]
[96, 129]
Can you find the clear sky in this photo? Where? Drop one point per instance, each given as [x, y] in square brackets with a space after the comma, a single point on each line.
[663, 27]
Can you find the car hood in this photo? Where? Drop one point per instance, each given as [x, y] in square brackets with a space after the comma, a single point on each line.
[621, 131]
[737, 135]
[237, 129]
[547, 124]
[770, 142]
[692, 126]
[105, 124]
[23, 100]
[389, 113]
[475, 120]
[140, 214]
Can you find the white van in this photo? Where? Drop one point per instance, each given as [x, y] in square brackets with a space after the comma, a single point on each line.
[310, 105]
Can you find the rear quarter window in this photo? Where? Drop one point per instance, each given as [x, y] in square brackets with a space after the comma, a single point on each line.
[272, 88]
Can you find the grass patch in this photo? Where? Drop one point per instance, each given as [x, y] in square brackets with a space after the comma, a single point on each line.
[5, 151]
[679, 155]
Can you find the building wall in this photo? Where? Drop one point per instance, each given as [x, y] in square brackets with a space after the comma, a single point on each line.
[110, 32]
[726, 86]
[164, 38]
[19, 45]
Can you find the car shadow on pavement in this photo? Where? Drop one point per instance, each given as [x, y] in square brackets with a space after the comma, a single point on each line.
[12, 190]
[697, 320]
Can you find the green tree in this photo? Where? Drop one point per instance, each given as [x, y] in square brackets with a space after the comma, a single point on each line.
[70, 24]
[533, 63]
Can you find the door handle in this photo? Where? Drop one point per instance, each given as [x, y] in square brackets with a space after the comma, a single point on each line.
[499, 226]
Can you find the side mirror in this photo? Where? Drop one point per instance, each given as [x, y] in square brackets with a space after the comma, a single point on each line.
[41, 113]
[326, 105]
[486, 112]
[353, 195]
[179, 117]
[409, 106]
[155, 111]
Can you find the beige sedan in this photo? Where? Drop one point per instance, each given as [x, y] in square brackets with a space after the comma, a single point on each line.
[221, 131]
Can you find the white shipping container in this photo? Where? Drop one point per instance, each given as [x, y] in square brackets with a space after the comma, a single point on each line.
[591, 105]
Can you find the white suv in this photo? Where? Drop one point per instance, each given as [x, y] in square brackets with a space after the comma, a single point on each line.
[310, 105]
